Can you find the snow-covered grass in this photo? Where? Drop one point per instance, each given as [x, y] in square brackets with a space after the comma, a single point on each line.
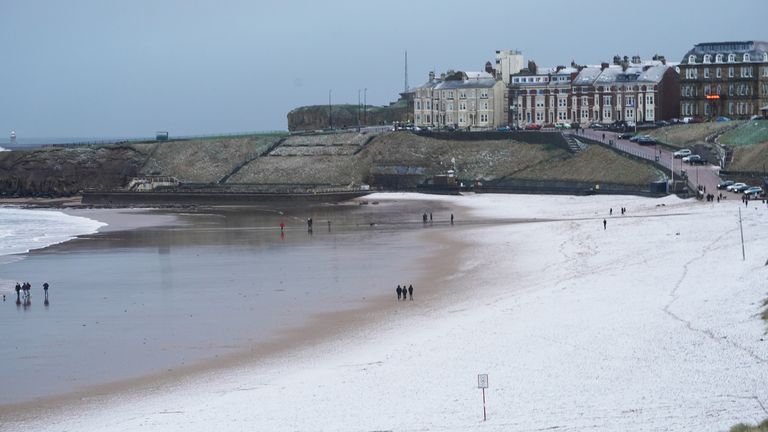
[651, 324]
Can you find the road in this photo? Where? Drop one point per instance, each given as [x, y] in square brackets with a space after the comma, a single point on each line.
[707, 176]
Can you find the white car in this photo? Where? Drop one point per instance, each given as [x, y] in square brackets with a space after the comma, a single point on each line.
[737, 186]
[681, 153]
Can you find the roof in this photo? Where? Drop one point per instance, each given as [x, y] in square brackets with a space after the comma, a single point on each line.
[615, 74]
[473, 83]
[755, 49]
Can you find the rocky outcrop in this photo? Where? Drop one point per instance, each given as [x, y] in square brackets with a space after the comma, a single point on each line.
[66, 171]
[316, 117]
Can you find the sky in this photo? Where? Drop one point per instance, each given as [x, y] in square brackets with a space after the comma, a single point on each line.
[125, 68]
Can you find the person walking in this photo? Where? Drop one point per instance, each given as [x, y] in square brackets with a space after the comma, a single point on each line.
[282, 226]
[399, 292]
[610, 212]
[45, 288]
[410, 291]
[451, 218]
[605, 224]
[18, 290]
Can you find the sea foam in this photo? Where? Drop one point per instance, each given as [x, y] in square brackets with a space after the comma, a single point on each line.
[23, 230]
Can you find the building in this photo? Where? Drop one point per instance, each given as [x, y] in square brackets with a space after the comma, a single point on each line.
[540, 95]
[471, 100]
[508, 62]
[627, 90]
[724, 79]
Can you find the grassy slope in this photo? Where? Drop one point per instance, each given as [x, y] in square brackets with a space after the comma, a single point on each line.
[685, 135]
[205, 160]
[750, 141]
[762, 427]
[595, 164]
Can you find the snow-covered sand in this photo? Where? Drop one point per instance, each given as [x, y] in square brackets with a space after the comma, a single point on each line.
[651, 324]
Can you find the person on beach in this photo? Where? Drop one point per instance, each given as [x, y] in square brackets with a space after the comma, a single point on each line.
[610, 211]
[45, 288]
[399, 292]
[424, 217]
[430, 216]
[18, 290]
[605, 224]
[282, 226]
[451, 218]
[410, 291]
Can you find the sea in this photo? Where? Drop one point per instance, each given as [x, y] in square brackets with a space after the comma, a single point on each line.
[213, 284]
[23, 230]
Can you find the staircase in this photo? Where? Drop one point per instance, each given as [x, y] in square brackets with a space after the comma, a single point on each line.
[574, 144]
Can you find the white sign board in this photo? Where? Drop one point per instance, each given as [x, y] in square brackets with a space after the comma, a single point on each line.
[482, 381]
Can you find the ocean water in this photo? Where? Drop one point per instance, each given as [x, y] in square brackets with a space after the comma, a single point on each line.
[217, 283]
[23, 230]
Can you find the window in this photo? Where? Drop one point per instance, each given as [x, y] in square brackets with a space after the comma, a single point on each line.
[730, 72]
[706, 110]
[649, 99]
[692, 59]
[746, 57]
[719, 58]
[707, 90]
[765, 57]
[706, 72]
[730, 90]
[585, 100]
[731, 58]
[606, 100]
[649, 115]
[765, 71]
[718, 72]
[606, 113]
[418, 105]
[630, 101]
[707, 58]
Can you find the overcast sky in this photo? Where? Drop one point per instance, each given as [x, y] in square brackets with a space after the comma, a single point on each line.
[99, 68]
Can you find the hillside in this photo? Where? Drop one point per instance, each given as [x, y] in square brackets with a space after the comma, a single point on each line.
[320, 159]
[316, 117]
[685, 135]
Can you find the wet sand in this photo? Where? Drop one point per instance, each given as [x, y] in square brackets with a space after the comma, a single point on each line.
[375, 243]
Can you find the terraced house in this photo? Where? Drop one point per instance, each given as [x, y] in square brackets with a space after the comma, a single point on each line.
[472, 100]
[541, 95]
[627, 90]
[724, 79]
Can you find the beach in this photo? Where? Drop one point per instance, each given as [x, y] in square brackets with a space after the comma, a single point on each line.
[647, 323]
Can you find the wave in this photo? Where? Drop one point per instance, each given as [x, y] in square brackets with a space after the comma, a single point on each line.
[23, 230]
[2, 149]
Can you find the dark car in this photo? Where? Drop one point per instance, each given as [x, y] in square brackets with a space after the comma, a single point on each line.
[662, 123]
[645, 140]
[694, 160]
[625, 135]
[598, 126]
[724, 184]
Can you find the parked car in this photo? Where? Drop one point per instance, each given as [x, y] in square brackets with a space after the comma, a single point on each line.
[504, 129]
[625, 135]
[753, 191]
[596, 125]
[737, 187]
[563, 125]
[661, 123]
[682, 153]
[722, 119]
[694, 160]
[532, 126]
[724, 184]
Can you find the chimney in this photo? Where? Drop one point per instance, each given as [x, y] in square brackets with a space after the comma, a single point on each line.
[636, 59]
[532, 66]
[559, 68]
[604, 65]
[442, 76]
[431, 76]
[616, 60]
[624, 65]
[489, 68]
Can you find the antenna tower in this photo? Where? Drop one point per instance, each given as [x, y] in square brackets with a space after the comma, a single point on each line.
[406, 72]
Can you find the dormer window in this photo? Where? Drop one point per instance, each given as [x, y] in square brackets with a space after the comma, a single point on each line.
[746, 57]
[765, 57]
[692, 59]
[731, 58]
[719, 58]
[707, 58]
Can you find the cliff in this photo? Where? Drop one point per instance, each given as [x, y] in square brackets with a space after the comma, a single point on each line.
[315, 117]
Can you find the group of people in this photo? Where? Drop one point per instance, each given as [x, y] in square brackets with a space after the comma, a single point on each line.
[23, 290]
[403, 293]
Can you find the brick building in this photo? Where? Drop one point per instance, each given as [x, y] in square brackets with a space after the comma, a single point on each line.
[724, 79]
[541, 95]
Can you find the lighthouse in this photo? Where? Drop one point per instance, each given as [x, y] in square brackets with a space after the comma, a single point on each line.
[13, 139]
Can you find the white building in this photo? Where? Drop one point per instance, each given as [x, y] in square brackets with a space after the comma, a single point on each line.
[471, 100]
[508, 62]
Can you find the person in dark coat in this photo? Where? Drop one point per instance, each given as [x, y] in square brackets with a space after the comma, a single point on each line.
[18, 290]
[410, 291]
[605, 224]
[45, 288]
[399, 292]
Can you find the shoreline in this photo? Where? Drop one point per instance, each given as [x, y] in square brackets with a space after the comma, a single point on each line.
[580, 327]
[320, 328]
